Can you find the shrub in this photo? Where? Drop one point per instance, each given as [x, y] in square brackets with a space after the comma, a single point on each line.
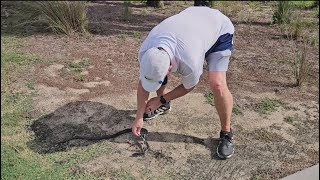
[64, 16]
[282, 13]
[301, 66]
[293, 30]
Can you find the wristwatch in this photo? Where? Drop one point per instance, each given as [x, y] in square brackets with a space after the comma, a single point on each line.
[163, 100]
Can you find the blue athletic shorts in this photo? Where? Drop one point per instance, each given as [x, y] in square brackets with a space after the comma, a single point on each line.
[218, 56]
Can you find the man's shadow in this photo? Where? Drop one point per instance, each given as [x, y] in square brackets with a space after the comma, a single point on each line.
[82, 123]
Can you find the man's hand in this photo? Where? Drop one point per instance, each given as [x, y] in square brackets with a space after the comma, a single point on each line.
[136, 126]
[153, 104]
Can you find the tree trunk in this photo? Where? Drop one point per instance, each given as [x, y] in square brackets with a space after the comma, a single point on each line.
[156, 4]
[201, 3]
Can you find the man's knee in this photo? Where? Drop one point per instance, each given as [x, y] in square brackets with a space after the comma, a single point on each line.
[217, 86]
[217, 82]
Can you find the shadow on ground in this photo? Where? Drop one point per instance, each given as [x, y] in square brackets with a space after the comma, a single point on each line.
[82, 123]
[108, 18]
[104, 18]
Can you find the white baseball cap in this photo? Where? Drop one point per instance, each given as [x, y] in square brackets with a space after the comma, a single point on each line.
[154, 66]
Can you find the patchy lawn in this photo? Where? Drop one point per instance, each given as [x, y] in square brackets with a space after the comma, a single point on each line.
[91, 81]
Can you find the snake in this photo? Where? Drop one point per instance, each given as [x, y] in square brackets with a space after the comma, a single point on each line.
[144, 147]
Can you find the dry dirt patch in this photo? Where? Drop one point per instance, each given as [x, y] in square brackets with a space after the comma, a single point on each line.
[267, 146]
[264, 150]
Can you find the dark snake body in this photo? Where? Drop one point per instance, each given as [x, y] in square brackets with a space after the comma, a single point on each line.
[143, 135]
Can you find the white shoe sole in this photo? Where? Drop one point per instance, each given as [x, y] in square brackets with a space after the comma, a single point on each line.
[160, 113]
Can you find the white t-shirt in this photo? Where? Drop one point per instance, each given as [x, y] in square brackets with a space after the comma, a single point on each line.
[187, 36]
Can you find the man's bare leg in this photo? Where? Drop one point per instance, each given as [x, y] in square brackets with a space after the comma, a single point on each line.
[223, 99]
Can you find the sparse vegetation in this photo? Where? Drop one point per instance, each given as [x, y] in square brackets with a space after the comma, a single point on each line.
[244, 16]
[304, 4]
[77, 68]
[18, 58]
[293, 31]
[17, 159]
[301, 66]
[265, 64]
[209, 96]
[80, 77]
[291, 119]
[236, 110]
[30, 84]
[267, 106]
[136, 34]
[224, 7]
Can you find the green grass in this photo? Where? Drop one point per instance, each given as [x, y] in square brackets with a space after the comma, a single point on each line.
[122, 36]
[77, 67]
[267, 106]
[18, 58]
[291, 119]
[209, 97]
[120, 174]
[316, 12]
[30, 85]
[18, 160]
[135, 34]
[236, 110]
[19, 164]
[302, 4]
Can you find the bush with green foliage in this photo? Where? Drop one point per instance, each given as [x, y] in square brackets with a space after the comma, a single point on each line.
[282, 13]
[64, 16]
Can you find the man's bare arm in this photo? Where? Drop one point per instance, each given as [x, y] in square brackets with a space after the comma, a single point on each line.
[142, 98]
[177, 92]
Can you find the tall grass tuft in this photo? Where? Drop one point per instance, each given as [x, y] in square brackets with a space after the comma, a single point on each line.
[292, 30]
[64, 16]
[282, 13]
[301, 66]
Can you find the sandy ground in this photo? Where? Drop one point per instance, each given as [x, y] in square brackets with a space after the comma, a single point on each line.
[266, 145]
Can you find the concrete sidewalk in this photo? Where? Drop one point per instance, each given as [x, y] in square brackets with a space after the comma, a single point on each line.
[311, 173]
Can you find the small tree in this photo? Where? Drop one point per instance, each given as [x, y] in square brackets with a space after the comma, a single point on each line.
[127, 10]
